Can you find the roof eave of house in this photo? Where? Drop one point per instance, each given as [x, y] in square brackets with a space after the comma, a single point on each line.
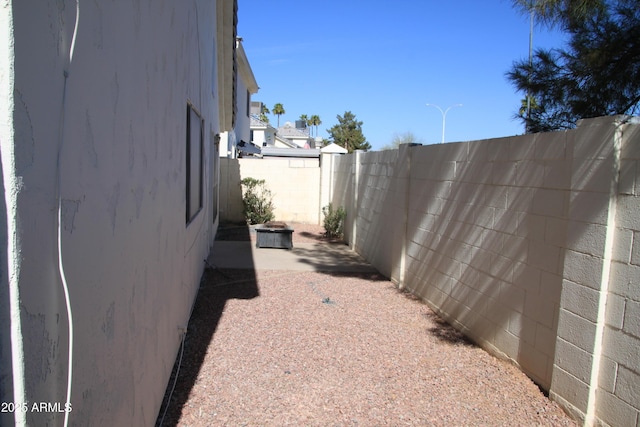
[286, 141]
[246, 73]
[256, 123]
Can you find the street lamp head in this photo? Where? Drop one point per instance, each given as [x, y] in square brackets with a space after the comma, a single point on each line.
[444, 114]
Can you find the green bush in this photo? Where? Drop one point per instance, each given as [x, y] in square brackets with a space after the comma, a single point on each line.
[257, 201]
[333, 220]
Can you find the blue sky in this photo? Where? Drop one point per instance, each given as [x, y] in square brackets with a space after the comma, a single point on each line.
[385, 60]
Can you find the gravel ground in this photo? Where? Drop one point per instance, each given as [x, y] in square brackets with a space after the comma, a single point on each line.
[280, 348]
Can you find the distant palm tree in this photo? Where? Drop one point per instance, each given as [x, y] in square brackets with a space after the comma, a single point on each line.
[278, 110]
[314, 120]
[304, 119]
[526, 105]
[264, 110]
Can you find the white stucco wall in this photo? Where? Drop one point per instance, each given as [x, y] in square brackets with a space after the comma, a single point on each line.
[107, 120]
[8, 298]
[260, 136]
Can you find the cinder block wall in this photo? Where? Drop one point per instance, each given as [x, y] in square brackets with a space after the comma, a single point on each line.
[511, 241]
[482, 243]
[368, 186]
[486, 230]
[618, 393]
[526, 244]
[294, 184]
[596, 374]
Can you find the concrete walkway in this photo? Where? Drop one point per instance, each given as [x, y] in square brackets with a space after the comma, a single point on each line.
[303, 257]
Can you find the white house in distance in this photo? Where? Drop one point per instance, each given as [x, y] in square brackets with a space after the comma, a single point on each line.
[246, 83]
[262, 133]
[110, 116]
[287, 140]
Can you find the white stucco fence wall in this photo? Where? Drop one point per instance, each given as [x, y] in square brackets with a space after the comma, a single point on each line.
[108, 124]
[523, 244]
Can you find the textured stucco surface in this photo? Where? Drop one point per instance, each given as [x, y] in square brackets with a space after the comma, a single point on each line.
[108, 122]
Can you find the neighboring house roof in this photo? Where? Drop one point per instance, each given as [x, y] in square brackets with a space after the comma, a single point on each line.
[289, 131]
[334, 148]
[256, 123]
[286, 142]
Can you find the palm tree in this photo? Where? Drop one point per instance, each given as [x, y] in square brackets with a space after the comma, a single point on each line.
[278, 110]
[527, 110]
[264, 110]
[314, 120]
[527, 105]
[304, 119]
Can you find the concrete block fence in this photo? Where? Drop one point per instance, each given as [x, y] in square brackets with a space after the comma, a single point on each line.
[294, 184]
[530, 245]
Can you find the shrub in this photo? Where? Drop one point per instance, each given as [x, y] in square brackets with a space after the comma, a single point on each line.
[257, 201]
[333, 220]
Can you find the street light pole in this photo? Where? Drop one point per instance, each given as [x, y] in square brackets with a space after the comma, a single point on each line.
[444, 115]
[528, 121]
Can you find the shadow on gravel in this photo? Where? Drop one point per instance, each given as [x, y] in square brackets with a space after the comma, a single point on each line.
[332, 257]
[217, 286]
[440, 329]
[447, 333]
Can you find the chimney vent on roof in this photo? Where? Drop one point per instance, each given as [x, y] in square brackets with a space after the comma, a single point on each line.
[256, 108]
